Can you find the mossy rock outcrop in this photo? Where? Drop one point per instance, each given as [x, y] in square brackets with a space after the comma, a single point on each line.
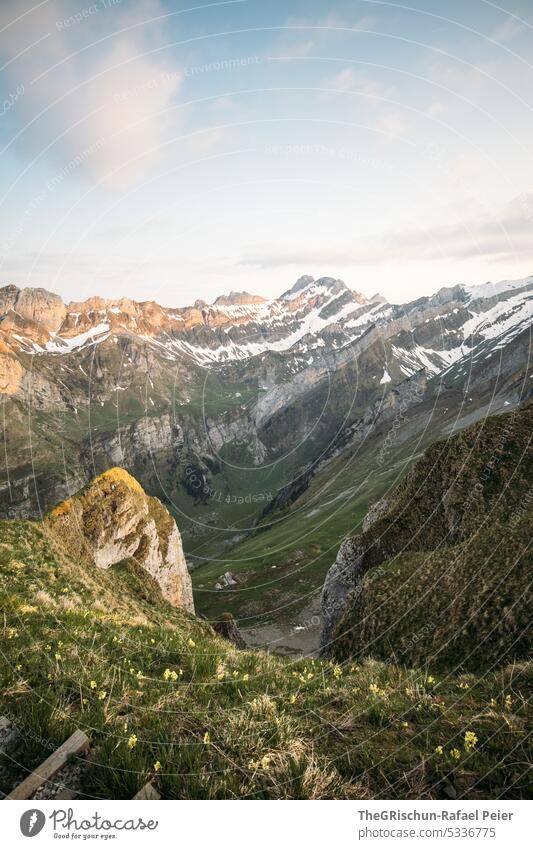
[113, 519]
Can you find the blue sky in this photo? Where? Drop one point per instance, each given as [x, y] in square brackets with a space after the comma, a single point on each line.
[159, 151]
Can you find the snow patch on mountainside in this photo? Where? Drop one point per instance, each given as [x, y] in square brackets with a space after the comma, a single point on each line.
[62, 345]
[490, 290]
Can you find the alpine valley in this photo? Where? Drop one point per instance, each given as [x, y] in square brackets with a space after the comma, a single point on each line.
[267, 428]
[343, 482]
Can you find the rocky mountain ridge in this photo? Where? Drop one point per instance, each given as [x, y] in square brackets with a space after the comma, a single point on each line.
[311, 315]
[439, 572]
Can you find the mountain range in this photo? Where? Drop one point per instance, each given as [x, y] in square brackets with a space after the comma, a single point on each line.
[318, 467]
[311, 315]
[266, 427]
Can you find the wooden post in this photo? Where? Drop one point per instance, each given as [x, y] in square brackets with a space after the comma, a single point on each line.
[79, 742]
[147, 792]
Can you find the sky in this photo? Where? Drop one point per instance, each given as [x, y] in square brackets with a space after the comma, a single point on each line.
[171, 151]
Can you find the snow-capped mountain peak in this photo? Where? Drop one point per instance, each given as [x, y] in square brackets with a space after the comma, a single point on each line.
[313, 317]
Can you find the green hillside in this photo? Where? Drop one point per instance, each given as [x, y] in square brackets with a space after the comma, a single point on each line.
[163, 698]
[443, 573]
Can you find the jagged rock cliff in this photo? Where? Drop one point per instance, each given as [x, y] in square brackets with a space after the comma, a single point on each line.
[440, 571]
[35, 305]
[113, 519]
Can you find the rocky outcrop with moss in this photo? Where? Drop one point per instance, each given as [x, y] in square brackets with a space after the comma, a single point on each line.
[440, 572]
[113, 519]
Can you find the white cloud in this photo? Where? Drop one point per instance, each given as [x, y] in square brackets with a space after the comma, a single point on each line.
[304, 35]
[97, 93]
[352, 79]
[379, 98]
[510, 29]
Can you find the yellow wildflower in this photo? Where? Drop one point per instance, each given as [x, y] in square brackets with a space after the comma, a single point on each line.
[471, 740]
[245, 677]
[207, 738]
[508, 701]
[430, 679]
[157, 766]
[93, 685]
[439, 750]
[132, 742]
[101, 695]
[455, 754]
[191, 643]
[292, 700]
[166, 674]
[265, 762]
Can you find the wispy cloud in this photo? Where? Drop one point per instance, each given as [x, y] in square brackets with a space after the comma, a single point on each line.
[304, 34]
[95, 82]
[509, 30]
[510, 234]
[355, 80]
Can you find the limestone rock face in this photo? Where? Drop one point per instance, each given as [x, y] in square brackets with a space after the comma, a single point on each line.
[8, 298]
[238, 299]
[341, 579]
[38, 305]
[375, 512]
[113, 519]
[11, 374]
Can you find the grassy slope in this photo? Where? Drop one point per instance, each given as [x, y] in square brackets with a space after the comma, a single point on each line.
[301, 544]
[89, 649]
